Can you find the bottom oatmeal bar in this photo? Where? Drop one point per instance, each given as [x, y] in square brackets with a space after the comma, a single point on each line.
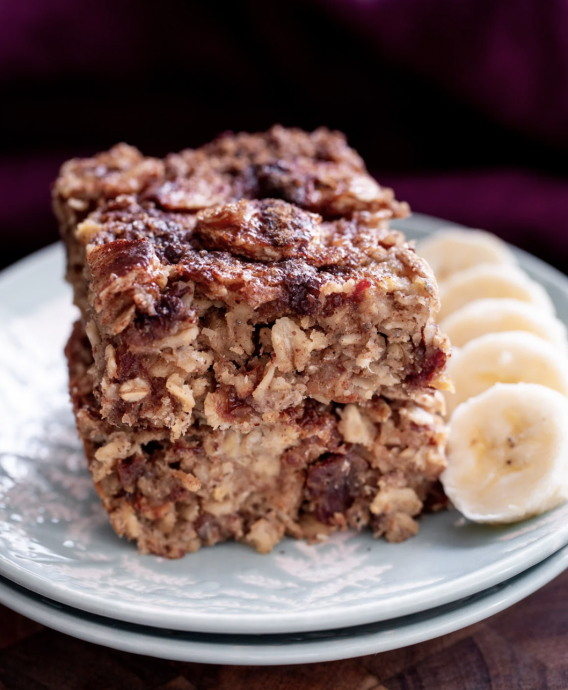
[322, 468]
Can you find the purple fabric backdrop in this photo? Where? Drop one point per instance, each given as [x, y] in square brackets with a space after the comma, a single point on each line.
[461, 106]
[507, 58]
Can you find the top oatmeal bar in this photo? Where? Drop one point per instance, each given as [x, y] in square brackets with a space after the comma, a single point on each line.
[237, 280]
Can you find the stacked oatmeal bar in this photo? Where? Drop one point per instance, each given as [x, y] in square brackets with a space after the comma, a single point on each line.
[257, 354]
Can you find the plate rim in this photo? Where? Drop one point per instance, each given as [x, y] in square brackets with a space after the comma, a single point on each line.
[95, 630]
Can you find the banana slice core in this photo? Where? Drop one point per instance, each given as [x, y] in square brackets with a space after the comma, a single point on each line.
[508, 453]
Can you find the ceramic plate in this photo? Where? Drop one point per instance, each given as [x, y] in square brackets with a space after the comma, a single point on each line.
[56, 541]
[270, 650]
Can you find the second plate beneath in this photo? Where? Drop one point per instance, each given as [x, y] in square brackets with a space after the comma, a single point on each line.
[269, 650]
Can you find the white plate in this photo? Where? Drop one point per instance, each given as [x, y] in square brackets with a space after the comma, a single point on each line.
[55, 539]
[270, 650]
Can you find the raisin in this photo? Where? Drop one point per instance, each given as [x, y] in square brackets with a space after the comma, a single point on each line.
[333, 484]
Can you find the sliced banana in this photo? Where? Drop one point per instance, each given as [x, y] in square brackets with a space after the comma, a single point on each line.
[451, 250]
[510, 357]
[496, 315]
[489, 280]
[508, 453]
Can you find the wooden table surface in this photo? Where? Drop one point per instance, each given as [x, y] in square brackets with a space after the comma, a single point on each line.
[522, 648]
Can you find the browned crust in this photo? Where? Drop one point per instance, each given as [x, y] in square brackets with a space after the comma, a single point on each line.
[316, 171]
[258, 251]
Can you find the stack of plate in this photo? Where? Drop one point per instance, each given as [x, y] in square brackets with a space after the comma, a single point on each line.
[61, 564]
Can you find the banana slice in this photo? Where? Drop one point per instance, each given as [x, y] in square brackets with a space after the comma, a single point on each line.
[451, 250]
[510, 357]
[508, 453]
[490, 280]
[496, 315]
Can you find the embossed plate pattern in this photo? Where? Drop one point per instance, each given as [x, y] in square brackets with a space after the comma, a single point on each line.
[269, 650]
[55, 539]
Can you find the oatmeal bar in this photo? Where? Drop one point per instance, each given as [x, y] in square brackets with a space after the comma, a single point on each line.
[256, 308]
[247, 307]
[323, 468]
